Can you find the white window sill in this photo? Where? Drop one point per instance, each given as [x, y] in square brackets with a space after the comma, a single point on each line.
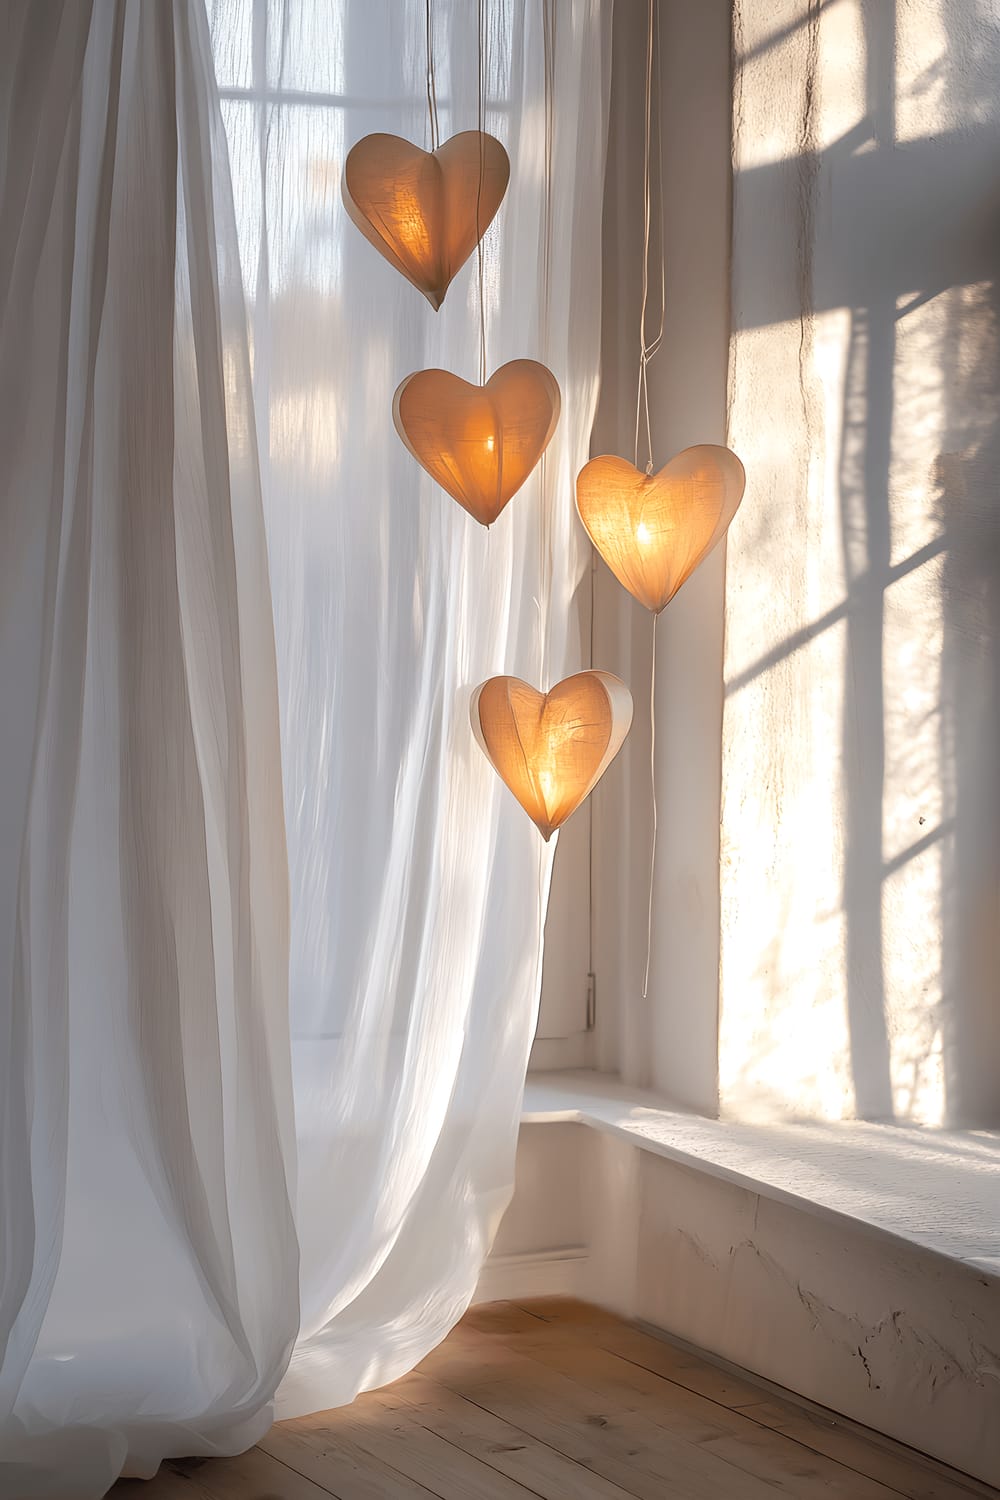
[939, 1190]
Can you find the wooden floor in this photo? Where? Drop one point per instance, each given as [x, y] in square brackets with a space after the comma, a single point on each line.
[559, 1400]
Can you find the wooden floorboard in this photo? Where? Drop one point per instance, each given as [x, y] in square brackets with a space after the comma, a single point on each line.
[557, 1400]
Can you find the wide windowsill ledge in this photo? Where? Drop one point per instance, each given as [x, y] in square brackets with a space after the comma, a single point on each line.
[939, 1190]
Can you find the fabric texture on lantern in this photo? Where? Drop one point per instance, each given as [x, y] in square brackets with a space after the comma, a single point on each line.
[551, 749]
[654, 529]
[426, 211]
[480, 442]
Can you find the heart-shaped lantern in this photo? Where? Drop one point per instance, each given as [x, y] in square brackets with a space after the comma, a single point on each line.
[480, 442]
[654, 529]
[551, 749]
[426, 211]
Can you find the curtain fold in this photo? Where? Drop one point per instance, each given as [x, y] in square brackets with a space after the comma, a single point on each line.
[261, 1106]
[418, 887]
[148, 1294]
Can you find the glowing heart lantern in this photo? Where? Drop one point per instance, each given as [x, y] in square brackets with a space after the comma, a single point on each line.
[479, 442]
[425, 211]
[654, 529]
[551, 749]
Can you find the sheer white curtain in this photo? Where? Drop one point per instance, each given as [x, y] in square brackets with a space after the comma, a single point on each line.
[150, 1224]
[148, 1297]
[418, 886]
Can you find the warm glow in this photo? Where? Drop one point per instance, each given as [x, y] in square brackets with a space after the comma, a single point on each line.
[479, 442]
[410, 224]
[425, 210]
[551, 749]
[676, 516]
[840, 886]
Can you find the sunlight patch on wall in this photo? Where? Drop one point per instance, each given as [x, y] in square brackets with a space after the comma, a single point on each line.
[781, 30]
[784, 1042]
[860, 874]
[912, 815]
[921, 71]
[842, 106]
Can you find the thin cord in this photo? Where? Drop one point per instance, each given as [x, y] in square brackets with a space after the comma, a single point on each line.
[646, 351]
[549, 47]
[479, 195]
[432, 108]
[652, 778]
[545, 509]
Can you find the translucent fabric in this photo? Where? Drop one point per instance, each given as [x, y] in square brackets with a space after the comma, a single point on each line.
[418, 886]
[552, 748]
[654, 529]
[151, 1224]
[148, 1296]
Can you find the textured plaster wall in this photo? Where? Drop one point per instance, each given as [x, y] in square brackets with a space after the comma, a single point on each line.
[861, 740]
[885, 1332]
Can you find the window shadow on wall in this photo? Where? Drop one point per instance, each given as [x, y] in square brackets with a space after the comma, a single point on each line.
[887, 227]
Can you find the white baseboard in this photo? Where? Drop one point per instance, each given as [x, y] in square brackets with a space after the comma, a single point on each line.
[536, 1273]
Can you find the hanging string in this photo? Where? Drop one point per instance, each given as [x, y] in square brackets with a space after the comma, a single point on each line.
[545, 559]
[481, 88]
[646, 353]
[549, 51]
[432, 106]
[647, 350]
[652, 781]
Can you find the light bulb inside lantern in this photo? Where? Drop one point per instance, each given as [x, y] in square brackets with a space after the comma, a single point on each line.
[555, 736]
[407, 214]
[549, 788]
[490, 443]
[643, 534]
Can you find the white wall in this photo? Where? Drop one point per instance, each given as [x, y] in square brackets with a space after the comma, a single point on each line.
[861, 776]
[572, 1226]
[671, 1041]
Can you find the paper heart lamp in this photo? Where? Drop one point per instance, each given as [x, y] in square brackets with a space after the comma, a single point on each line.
[480, 442]
[551, 749]
[425, 211]
[654, 529]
